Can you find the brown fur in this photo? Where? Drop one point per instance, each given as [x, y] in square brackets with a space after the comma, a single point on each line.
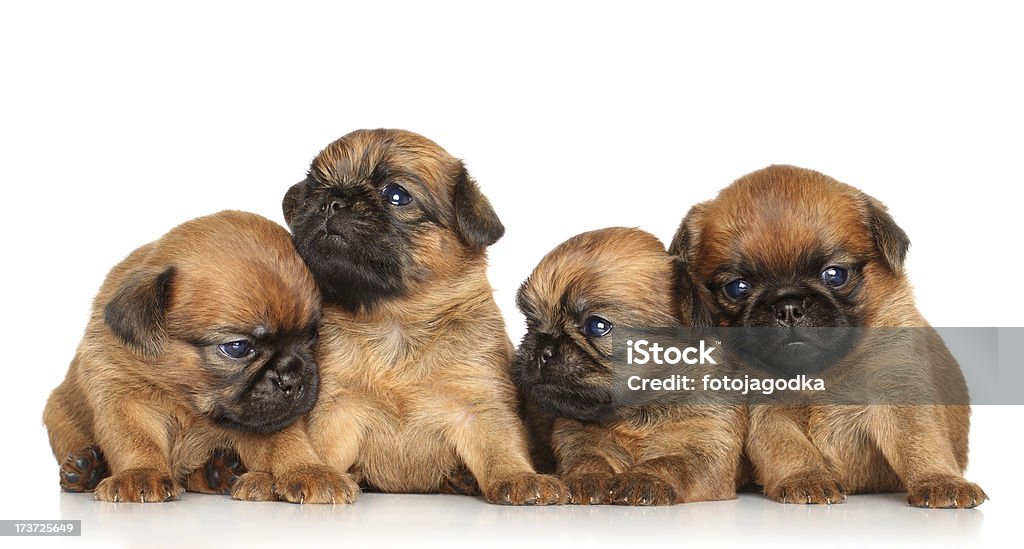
[818, 453]
[656, 455]
[416, 387]
[145, 403]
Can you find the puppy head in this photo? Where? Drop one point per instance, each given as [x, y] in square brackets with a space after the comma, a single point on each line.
[223, 310]
[579, 294]
[382, 213]
[791, 250]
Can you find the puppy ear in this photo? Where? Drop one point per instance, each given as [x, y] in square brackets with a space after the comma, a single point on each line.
[138, 309]
[293, 200]
[890, 239]
[475, 220]
[693, 303]
[687, 236]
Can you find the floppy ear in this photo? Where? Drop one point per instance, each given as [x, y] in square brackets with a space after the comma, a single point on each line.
[693, 299]
[475, 220]
[293, 200]
[687, 236]
[890, 239]
[137, 311]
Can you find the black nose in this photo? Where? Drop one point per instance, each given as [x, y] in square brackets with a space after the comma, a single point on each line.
[789, 311]
[288, 376]
[545, 353]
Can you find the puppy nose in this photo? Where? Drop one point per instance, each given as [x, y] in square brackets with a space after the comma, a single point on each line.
[789, 311]
[287, 376]
[545, 354]
[290, 383]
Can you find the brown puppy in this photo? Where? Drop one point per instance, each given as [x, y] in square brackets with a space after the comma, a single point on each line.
[587, 289]
[815, 268]
[413, 350]
[199, 342]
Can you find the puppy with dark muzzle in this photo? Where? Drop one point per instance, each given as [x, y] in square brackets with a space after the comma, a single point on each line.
[200, 342]
[580, 294]
[413, 350]
[808, 273]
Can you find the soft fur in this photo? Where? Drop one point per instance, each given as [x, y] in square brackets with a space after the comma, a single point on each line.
[414, 354]
[896, 415]
[607, 453]
[150, 390]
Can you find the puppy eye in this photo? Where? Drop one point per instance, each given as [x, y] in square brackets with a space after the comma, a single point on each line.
[596, 326]
[833, 276]
[738, 289]
[236, 349]
[396, 195]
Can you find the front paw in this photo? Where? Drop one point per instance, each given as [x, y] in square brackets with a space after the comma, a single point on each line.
[528, 489]
[635, 488]
[946, 493]
[588, 489]
[814, 487]
[316, 484]
[254, 486]
[140, 486]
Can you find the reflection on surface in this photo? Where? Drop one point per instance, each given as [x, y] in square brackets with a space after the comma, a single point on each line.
[457, 521]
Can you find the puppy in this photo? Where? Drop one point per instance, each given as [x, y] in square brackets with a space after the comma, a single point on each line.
[200, 342]
[580, 294]
[816, 268]
[413, 350]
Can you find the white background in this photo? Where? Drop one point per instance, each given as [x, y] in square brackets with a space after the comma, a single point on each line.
[118, 121]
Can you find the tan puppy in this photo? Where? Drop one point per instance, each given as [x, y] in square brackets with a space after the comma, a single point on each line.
[198, 342]
[413, 351]
[815, 267]
[584, 291]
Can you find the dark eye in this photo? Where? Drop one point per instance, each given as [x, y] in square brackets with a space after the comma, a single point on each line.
[396, 195]
[596, 327]
[738, 289]
[833, 276]
[236, 349]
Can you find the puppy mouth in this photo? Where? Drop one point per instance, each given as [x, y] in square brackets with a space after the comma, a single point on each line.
[793, 351]
[582, 403]
[265, 415]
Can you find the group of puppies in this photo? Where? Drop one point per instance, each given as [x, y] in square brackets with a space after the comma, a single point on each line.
[364, 351]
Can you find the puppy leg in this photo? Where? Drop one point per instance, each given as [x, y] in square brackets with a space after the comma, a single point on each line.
[584, 463]
[786, 463]
[284, 466]
[82, 465]
[135, 439]
[492, 443]
[917, 443]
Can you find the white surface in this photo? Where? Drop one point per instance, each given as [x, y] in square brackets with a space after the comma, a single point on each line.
[118, 121]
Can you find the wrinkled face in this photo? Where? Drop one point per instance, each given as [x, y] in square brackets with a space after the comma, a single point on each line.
[791, 256]
[574, 301]
[227, 314]
[382, 212]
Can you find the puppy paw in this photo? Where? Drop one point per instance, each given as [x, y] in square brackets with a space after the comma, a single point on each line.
[83, 470]
[316, 484]
[217, 475]
[528, 489]
[139, 486]
[634, 488]
[461, 482]
[817, 487]
[254, 486]
[587, 489]
[946, 493]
